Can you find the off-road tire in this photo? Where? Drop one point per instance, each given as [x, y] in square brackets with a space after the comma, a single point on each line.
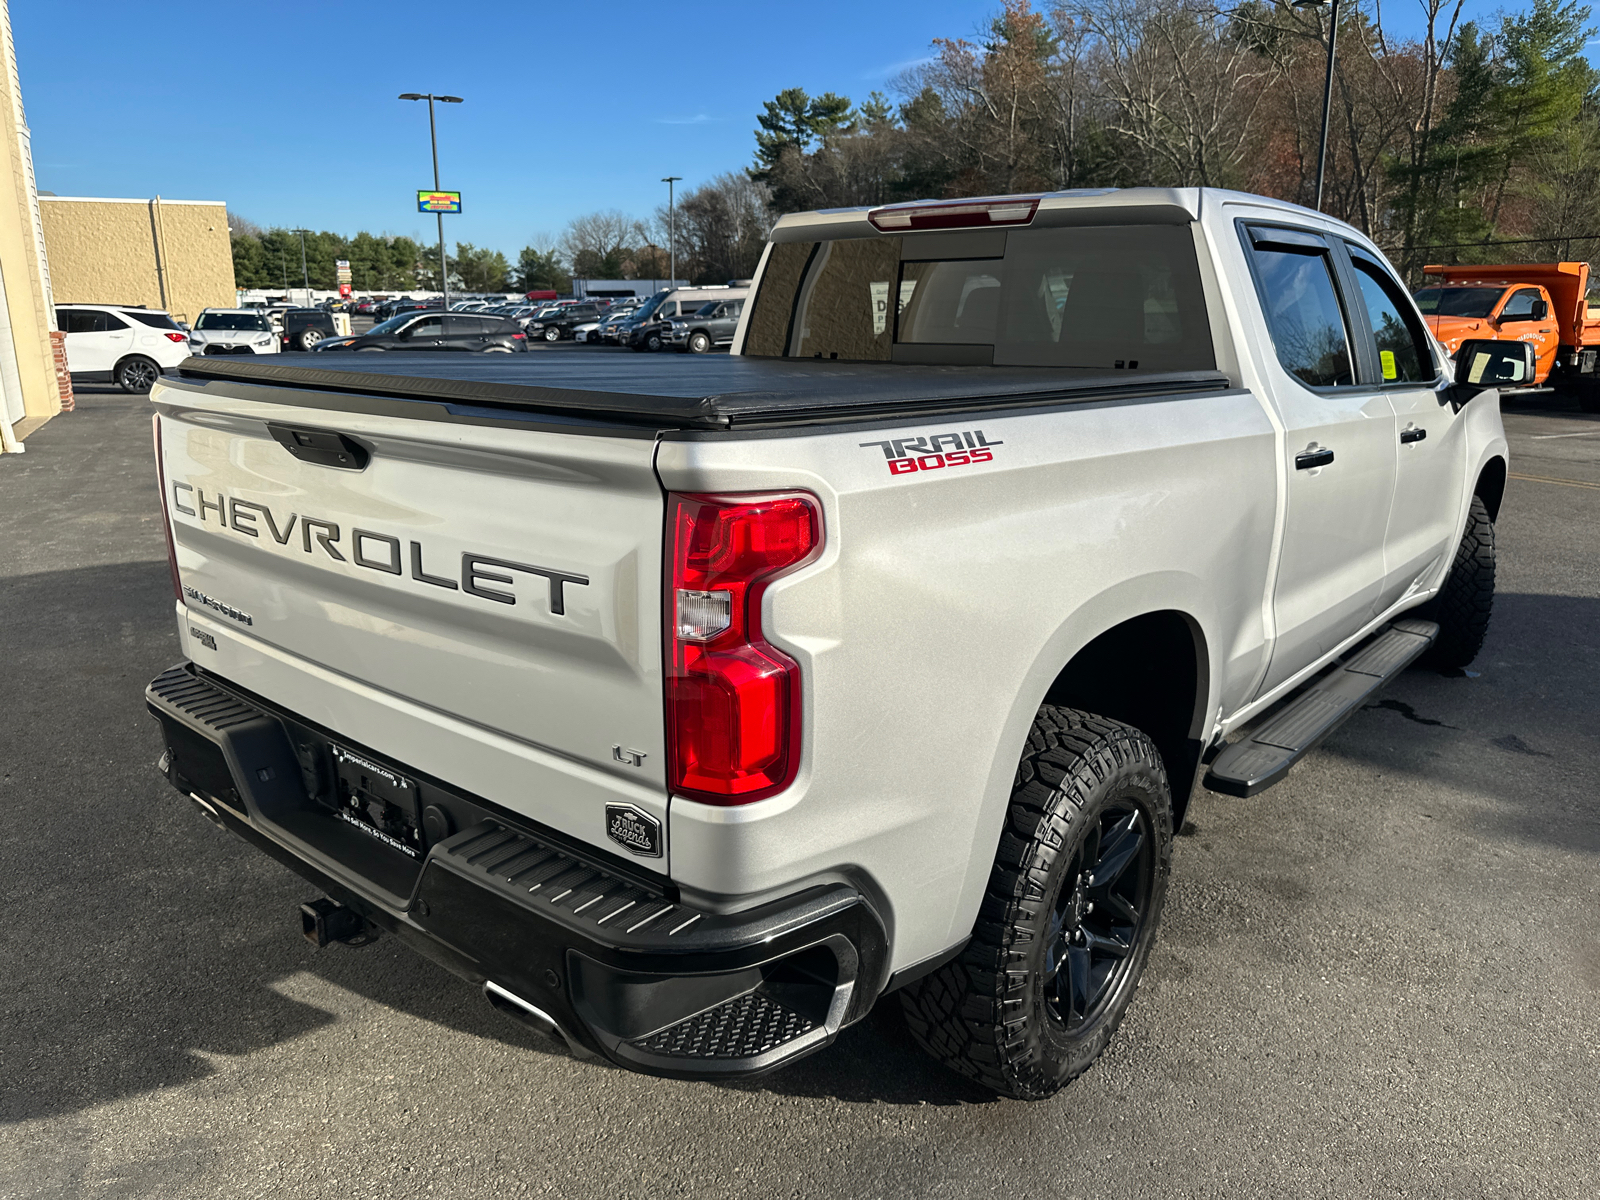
[307, 339]
[137, 374]
[986, 1014]
[1465, 602]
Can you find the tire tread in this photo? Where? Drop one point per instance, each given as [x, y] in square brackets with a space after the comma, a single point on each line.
[969, 1014]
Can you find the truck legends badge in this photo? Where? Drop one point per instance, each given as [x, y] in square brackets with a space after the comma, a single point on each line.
[635, 831]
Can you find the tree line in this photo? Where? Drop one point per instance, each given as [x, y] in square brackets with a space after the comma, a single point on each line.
[268, 258]
[720, 230]
[1441, 147]
[1464, 143]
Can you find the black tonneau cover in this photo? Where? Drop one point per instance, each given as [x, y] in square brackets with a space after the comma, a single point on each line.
[695, 392]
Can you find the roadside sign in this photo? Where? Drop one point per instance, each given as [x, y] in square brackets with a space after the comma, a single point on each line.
[344, 290]
[439, 202]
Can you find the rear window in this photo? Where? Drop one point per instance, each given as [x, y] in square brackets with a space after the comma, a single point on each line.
[233, 322]
[156, 320]
[1108, 298]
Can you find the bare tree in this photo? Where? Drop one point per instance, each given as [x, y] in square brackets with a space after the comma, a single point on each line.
[1184, 88]
[600, 245]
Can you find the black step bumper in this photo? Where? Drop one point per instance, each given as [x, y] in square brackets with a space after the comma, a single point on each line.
[561, 937]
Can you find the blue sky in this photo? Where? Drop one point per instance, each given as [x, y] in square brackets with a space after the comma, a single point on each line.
[287, 111]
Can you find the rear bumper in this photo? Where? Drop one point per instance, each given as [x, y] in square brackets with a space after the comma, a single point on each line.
[559, 935]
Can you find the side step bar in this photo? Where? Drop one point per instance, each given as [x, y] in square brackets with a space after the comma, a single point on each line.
[1253, 764]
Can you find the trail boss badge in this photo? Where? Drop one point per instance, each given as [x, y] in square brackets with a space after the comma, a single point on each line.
[930, 452]
[636, 832]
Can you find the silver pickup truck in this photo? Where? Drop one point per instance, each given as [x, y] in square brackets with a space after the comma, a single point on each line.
[691, 706]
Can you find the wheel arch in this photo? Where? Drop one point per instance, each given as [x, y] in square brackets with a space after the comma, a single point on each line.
[1155, 623]
[1491, 485]
[1152, 672]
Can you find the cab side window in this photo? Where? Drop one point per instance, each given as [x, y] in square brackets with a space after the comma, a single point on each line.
[1403, 353]
[1520, 306]
[1295, 281]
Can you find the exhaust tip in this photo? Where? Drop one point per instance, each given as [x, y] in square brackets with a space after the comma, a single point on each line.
[524, 1013]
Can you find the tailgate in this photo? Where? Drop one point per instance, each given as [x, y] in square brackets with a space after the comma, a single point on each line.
[503, 574]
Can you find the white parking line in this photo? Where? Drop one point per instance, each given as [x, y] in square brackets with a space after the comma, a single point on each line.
[1539, 437]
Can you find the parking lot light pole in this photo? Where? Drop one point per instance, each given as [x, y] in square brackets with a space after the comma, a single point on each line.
[433, 139]
[672, 231]
[1327, 88]
[305, 275]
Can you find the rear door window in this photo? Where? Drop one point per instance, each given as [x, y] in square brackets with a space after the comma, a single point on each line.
[1403, 352]
[1295, 282]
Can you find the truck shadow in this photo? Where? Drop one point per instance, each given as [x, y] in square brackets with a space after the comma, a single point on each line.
[142, 940]
[1517, 732]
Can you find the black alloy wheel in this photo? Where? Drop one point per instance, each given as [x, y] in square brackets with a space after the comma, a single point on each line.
[137, 374]
[1069, 915]
[1098, 915]
[652, 342]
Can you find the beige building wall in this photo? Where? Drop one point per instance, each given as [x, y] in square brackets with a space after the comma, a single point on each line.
[171, 254]
[32, 390]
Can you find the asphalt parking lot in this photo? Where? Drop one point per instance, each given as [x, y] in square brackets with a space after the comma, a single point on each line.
[1381, 978]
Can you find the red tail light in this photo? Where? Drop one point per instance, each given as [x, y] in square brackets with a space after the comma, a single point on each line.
[733, 701]
[166, 517]
[177, 337]
[517, 337]
[963, 214]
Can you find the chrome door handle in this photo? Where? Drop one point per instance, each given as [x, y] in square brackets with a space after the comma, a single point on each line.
[1307, 459]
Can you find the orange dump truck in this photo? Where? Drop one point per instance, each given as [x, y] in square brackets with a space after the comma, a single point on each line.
[1543, 303]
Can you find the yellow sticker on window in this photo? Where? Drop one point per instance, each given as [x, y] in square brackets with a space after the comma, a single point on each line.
[1475, 371]
[1390, 371]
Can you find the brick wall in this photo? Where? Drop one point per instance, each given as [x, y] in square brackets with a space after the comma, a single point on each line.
[58, 352]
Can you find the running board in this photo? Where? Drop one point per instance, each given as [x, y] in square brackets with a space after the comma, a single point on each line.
[1254, 763]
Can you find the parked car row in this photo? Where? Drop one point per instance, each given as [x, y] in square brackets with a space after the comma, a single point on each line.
[134, 346]
[690, 319]
[483, 333]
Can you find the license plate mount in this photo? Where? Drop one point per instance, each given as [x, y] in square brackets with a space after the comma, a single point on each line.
[377, 799]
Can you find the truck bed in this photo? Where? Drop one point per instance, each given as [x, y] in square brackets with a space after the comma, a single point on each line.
[698, 392]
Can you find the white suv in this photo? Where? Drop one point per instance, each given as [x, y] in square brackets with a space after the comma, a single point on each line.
[109, 343]
[232, 331]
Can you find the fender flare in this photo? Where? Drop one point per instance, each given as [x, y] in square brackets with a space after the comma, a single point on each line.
[1143, 595]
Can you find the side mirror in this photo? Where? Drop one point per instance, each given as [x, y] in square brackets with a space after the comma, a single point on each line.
[1483, 364]
[1541, 310]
